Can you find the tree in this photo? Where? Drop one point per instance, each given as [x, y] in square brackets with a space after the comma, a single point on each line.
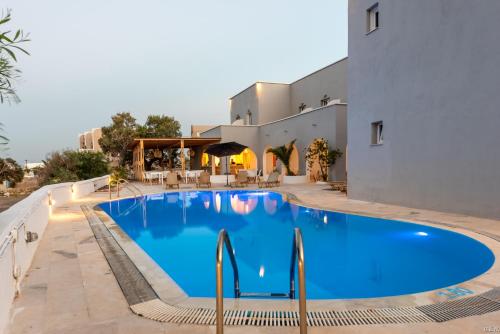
[9, 46]
[319, 152]
[70, 166]
[10, 171]
[160, 126]
[284, 154]
[117, 137]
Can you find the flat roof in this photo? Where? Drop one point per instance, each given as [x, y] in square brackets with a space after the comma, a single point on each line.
[174, 142]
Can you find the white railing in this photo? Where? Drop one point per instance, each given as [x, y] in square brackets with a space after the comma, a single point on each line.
[31, 215]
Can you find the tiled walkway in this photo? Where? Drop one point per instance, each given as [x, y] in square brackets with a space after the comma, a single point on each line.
[71, 289]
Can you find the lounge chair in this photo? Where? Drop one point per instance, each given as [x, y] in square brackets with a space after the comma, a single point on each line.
[252, 175]
[172, 180]
[272, 180]
[203, 180]
[241, 179]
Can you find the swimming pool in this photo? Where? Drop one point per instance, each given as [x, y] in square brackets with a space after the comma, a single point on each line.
[346, 256]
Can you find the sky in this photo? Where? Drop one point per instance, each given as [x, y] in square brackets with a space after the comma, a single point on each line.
[91, 59]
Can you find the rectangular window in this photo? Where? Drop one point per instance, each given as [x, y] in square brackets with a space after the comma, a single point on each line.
[372, 18]
[377, 133]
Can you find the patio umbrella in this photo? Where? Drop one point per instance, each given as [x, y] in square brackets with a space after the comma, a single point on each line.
[224, 150]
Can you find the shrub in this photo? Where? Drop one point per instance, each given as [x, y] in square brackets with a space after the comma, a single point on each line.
[70, 166]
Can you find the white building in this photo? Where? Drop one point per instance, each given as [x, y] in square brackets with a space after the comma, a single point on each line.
[267, 115]
[89, 140]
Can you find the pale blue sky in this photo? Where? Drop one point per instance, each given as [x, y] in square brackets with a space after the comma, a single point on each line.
[91, 59]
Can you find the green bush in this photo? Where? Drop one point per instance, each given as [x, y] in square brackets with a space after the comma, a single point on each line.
[70, 166]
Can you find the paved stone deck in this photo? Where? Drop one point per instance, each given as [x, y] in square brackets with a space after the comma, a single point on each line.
[70, 287]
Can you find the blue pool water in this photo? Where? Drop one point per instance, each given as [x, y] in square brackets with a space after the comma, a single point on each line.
[346, 256]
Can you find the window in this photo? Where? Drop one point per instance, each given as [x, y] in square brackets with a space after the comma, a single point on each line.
[372, 18]
[325, 100]
[302, 107]
[377, 133]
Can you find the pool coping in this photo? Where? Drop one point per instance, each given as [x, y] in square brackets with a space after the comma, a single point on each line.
[172, 295]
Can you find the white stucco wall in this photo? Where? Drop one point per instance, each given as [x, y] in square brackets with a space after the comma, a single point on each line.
[274, 102]
[310, 90]
[31, 214]
[270, 102]
[327, 122]
[242, 102]
[431, 73]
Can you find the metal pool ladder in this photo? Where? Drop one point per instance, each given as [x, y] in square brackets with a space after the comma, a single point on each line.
[297, 257]
[133, 188]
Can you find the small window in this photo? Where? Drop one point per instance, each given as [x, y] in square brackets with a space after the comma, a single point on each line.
[302, 107]
[325, 100]
[377, 133]
[372, 18]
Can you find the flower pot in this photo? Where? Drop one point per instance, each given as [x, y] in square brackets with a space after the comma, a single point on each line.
[297, 179]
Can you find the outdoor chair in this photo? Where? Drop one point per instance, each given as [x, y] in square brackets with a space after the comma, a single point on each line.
[241, 179]
[272, 180]
[252, 175]
[203, 180]
[172, 180]
[148, 177]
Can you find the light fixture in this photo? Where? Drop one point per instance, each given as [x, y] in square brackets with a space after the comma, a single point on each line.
[422, 234]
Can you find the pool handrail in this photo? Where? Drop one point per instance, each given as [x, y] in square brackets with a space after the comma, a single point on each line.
[219, 302]
[133, 188]
[298, 255]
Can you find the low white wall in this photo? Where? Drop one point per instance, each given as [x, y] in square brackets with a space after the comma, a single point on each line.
[221, 179]
[31, 214]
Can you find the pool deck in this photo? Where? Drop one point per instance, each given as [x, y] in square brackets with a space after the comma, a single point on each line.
[70, 287]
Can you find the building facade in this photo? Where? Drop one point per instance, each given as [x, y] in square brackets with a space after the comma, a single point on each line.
[424, 117]
[89, 140]
[267, 115]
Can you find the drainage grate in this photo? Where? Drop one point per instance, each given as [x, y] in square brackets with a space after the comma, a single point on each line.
[144, 301]
[135, 288]
[493, 295]
[456, 309]
[159, 311]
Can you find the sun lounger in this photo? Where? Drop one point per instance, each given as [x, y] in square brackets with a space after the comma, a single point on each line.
[272, 180]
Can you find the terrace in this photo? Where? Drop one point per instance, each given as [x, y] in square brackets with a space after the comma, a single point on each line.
[70, 286]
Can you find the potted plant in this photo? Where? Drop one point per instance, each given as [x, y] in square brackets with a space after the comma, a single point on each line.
[284, 154]
[318, 152]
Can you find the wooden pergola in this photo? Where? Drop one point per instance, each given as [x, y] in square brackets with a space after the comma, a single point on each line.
[140, 144]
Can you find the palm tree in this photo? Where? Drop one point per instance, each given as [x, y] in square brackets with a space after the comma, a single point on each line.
[284, 154]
